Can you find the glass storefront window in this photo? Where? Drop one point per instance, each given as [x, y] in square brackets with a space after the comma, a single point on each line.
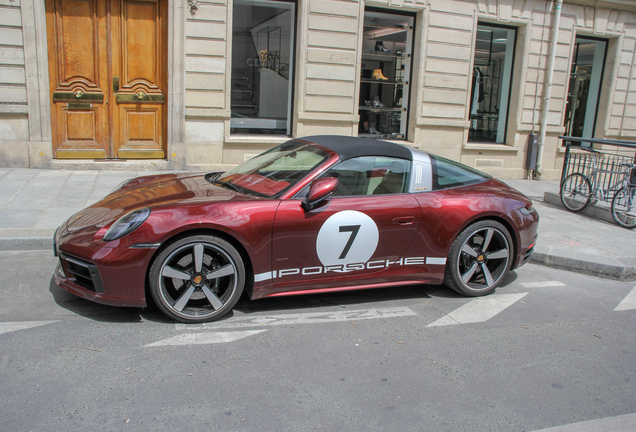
[584, 88]
[385, 75]
[491, 80]
[262, 66]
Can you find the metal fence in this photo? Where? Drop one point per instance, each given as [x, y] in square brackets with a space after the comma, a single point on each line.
[610, 156]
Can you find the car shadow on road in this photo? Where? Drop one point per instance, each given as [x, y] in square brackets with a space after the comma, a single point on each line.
[104, 313]
[382, 297]
[343, 299]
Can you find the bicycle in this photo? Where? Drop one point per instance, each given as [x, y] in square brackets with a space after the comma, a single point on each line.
[579, 191]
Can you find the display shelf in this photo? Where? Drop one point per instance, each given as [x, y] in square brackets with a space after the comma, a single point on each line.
[377, 81]
[381, 109]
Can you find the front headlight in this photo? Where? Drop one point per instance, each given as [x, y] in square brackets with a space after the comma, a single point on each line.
[126, 224]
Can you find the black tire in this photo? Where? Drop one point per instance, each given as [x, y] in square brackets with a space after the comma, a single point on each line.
[197, 279]
[479, 259]
[624, 207]
[576, 192]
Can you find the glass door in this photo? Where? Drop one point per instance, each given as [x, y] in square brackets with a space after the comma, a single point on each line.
[584, 88]
[385, 75]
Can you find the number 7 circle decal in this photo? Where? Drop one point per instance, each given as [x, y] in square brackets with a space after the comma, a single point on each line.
[347, 237]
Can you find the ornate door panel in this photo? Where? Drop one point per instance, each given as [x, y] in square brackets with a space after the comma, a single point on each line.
[139, 78]
[108, 77]
[78, 77]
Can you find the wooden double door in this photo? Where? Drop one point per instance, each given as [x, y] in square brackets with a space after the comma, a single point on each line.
[108, 78]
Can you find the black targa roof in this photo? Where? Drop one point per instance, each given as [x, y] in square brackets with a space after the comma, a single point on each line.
[348, 147]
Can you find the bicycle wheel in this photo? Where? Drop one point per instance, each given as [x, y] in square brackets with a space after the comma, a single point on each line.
[624, 208]
[576, 192]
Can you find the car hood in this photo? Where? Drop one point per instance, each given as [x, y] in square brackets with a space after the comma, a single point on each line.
[152, 191]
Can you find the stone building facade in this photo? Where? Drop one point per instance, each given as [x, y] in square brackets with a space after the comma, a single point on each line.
[171, 84]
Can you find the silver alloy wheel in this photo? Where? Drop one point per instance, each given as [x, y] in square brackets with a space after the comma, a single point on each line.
[197, 279]
[483, 259]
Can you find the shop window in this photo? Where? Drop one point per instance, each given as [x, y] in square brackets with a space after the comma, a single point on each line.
[385, 74]
[491, 81]
[584, 89]
[262, 66]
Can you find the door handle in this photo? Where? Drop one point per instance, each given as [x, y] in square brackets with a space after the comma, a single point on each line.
[404, 220]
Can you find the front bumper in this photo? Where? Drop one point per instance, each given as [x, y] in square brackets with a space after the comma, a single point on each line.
[107, 275]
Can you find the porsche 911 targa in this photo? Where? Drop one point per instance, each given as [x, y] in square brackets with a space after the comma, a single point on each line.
[313, 215]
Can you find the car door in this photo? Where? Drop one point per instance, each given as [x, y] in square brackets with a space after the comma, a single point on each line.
[357, 236]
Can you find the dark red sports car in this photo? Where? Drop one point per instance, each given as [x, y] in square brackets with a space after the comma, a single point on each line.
[315, 214]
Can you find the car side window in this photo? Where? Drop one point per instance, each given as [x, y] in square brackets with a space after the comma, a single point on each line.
[448, 174]
[370, 175]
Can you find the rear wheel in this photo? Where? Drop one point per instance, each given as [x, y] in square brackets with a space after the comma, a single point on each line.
[576, 192]
[197, 279]
[624, 207]
[479, 259]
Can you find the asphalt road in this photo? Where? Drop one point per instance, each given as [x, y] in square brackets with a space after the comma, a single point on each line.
[550, 348]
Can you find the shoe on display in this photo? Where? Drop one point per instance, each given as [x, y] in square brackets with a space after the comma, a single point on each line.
[375, 102]
[372, 129]
[379, 46]
[377, 74]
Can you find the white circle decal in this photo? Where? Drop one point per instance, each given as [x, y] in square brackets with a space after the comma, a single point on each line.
[347, 237]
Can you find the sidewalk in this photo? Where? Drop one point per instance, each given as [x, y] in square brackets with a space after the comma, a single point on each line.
[33, 203]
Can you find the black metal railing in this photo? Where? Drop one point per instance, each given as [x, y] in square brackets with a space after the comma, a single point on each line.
[609, 160]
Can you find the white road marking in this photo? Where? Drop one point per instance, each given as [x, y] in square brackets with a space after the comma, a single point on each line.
[629, 302]
[302, 318]
[479, 310]
[7, 327]
[621, 423]
[205, 338]
[545, 284]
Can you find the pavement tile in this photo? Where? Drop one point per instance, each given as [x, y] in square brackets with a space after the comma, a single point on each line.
[7, 191]
[55, 216]
[5, 199]
[30, 201]
[21, 174]
[79, 184]
[10, 183]
[19, 218]
[70, 201]
[99, 193]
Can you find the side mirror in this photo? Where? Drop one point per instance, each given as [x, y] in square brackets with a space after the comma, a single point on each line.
[319, 190]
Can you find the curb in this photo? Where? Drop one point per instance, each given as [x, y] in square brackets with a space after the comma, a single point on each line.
[26, 243]
[603, 267]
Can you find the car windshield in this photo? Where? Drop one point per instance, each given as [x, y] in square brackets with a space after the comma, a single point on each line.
[273, 172]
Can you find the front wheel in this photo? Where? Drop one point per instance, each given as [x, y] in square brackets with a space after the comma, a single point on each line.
[197, 279]
[576, 192]
[624, 207]
[479, 259]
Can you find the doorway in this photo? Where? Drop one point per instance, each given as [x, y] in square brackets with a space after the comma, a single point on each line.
[108, 78]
